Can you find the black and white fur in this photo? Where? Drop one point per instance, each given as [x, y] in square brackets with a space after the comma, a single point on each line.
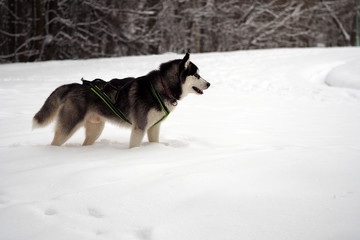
[75, 105]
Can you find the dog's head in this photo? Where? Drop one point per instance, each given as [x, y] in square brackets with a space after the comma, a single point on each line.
[190, 78]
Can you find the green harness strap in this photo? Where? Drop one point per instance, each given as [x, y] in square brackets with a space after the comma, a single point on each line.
[162, 104]
[107, 100]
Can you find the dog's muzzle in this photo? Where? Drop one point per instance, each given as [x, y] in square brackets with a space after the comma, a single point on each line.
[205, 86]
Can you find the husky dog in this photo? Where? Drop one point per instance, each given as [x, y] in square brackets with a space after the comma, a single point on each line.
[143, 101]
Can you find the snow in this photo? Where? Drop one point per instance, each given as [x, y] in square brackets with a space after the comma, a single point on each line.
[270, 152]
[346, 75]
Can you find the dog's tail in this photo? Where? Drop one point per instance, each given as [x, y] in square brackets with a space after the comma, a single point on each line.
[50, 108]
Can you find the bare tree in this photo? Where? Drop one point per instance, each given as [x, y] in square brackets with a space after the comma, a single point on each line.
[33, 30]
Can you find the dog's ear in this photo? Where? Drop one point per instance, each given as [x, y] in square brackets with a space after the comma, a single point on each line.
[185, 62]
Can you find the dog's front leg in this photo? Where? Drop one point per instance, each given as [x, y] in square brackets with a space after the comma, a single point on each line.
[153, 133]
[137, 136]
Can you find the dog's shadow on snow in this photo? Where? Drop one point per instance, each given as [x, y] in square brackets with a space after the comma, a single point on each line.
[102, 144]
[174, 143]
[178, 143]
[105, 143]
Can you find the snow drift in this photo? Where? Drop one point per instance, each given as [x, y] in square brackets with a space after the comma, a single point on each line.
[346, 75]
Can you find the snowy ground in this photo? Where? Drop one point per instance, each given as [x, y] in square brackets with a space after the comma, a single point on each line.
[269, 152]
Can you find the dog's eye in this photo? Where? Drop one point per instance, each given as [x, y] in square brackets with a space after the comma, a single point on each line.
[197, 76]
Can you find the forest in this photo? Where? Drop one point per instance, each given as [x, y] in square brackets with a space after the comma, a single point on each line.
[38, 30]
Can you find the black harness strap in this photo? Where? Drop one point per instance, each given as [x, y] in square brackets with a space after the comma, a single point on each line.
[106, 99]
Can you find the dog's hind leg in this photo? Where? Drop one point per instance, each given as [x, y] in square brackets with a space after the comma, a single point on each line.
[69, 120]
[137, 136]
[153, 133]
[93, 131]
[62, 135]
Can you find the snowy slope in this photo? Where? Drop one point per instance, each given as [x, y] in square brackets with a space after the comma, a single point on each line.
[268, 152]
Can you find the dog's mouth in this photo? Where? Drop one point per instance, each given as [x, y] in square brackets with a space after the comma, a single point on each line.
[199, 91]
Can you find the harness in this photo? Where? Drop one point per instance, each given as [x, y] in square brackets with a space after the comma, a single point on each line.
[114, 106]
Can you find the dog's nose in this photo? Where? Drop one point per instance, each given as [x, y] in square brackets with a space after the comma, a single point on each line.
[208, 85]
